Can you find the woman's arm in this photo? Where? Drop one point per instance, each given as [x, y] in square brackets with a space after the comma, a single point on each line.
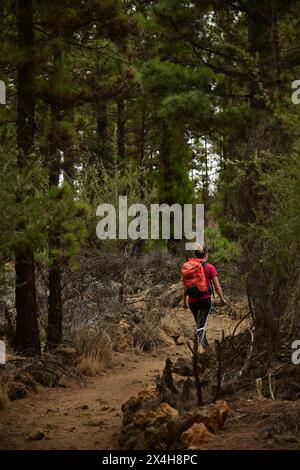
[218, 289]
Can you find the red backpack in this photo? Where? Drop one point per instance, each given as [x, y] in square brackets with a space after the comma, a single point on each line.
[194, 278]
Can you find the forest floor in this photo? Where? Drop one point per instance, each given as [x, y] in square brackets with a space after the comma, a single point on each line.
[89, 416]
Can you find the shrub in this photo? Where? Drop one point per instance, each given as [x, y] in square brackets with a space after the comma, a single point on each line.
[94, 348]
[146, 336]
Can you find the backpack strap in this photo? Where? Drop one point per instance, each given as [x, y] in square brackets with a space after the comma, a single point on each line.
[211, 287]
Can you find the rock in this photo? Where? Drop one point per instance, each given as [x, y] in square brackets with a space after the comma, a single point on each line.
[183, 367]
[27, 379]
[132, 405]
[162, 414]
[16, 390]
[36, 436]
[156, 437]
[50, 410]
[145, 398]
[44, 376]
[165, 410]
[266, 433]
[96, 423]
[195, 436]
[175, 428]
[82, 407]
[142, 419]
[20, 385]
[132, 443]
[213, 416]
[68, 353]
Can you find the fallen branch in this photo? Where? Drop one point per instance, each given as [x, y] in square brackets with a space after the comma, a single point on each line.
[241, 321]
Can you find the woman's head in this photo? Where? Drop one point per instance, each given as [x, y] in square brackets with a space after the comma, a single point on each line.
[201, 252]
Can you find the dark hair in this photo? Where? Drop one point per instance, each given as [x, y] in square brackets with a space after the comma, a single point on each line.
[201, 251]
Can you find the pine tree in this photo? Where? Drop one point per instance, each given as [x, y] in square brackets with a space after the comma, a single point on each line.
[27, 336]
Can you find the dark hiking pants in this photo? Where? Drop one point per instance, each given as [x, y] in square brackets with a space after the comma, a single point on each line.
[200, 311]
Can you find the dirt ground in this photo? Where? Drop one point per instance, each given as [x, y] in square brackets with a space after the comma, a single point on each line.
[90, 417]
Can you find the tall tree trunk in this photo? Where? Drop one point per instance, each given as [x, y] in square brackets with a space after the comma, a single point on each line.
[121, 128]
[205, 183]
[102, 132]
[260, 25]
[121, 109]
[140, 243]
[26, 339]
[66, 147]
[142, 152]
[101, 121]
[174, 182]
[54, 334]
[276, 47]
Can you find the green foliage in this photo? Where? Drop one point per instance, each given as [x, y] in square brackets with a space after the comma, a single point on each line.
[131, 181]
[67, 221]
[222, 251]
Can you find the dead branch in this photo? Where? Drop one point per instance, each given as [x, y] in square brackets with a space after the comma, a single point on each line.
[219, 345]
[241, 321]
[249, 354]
[196, 371]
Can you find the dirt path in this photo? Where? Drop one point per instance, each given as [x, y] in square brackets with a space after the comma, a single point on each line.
[78, 417]
[88, 417]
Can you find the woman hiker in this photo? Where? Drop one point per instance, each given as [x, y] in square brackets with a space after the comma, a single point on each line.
[198, 301]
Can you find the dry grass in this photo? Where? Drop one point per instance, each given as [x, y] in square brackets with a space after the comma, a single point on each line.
[89, 366]
[170, 326]
[146, 336]
[95, 350]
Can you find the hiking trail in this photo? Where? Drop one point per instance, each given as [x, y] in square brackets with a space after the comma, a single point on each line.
[90, 417]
